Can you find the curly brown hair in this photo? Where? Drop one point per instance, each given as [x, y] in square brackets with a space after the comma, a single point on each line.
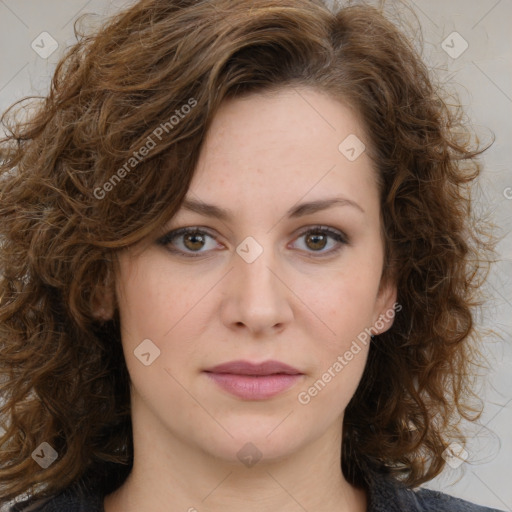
[63, 376]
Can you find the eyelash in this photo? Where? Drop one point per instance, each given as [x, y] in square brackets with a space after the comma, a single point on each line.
[339, 236]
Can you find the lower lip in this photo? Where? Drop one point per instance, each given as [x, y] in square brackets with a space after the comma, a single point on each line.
[254, 387]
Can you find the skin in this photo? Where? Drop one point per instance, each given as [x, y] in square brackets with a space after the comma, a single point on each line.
[264, 154]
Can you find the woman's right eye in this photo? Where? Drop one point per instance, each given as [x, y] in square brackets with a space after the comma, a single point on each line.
[192, 240]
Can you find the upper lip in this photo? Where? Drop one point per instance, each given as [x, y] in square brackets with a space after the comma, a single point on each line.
[248, 368]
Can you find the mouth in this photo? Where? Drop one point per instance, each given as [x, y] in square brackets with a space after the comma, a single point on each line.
[254, 381]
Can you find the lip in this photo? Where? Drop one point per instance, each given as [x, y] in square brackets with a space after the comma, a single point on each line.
[254, 381]
[248, 368]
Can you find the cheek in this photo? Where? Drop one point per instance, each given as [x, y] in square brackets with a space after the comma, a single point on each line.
[339, 339]
[345, 302]
[152, 308]
[147, 314]
[335, 377]
[151, 304]
[338, 359]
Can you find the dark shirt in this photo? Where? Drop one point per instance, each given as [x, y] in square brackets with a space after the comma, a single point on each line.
[384, 495]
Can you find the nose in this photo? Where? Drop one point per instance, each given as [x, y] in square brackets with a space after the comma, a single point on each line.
[256, 296]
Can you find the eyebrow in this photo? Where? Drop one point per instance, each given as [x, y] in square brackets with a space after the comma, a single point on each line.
[211, 210]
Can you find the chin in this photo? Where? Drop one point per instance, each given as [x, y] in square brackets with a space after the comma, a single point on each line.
[251, 445]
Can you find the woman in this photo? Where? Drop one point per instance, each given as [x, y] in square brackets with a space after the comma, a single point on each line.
[238, 268]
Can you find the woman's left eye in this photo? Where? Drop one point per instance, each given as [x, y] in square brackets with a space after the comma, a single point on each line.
[193, 239]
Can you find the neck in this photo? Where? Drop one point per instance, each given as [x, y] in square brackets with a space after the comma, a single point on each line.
[170, 475]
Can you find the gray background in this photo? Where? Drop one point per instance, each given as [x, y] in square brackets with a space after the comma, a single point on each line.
[481, 75]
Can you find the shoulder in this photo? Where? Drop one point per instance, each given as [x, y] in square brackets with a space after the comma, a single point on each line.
[389, 495]
[438, 501]
[83, 495]
[69, 500]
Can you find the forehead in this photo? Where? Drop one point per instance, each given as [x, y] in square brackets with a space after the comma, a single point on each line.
[280, 147]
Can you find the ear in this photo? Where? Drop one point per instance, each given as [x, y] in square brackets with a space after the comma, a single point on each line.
[102, 302]
[102, 305]
[385, 307]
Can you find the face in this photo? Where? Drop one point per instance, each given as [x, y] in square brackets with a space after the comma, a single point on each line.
[259, 284]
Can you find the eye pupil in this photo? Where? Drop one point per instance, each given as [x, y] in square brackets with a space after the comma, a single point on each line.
[317, 236]
[194, 236]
